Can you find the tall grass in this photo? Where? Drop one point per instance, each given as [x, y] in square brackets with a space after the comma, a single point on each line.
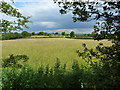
[45, 51]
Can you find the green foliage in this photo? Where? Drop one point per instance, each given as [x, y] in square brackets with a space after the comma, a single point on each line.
[15, 35]
[56, 33]
[33, 33]
[107, 27]
[42, 33]
[106, 70]
[63, 33]
[57, 77]
[10, 78]
[6, 25]
[84, 36]
[72, 34]
[26, 77]
[90, 76]
[14, 61]
[107, 17]
[11, 35]
[25, 34]
[97, 74]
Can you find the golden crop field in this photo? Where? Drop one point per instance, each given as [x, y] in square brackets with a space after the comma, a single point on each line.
[46, 51]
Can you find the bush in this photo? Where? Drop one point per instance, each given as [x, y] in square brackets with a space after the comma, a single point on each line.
[44, 77]
[15, 35]
[9, 36]
[14, 61]
[25, 34]
[92, 75]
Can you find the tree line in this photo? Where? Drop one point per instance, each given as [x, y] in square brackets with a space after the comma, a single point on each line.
[15, 35]
[26, 34]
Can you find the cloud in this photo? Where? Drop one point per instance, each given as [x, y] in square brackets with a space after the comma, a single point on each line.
[46, 17]
[47, 24]
[38, 8]
[21, 0]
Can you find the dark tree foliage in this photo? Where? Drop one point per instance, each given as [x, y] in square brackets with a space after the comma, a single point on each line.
[107, 14]
[17, 24]
[44, 77]
[14, 61]
[56, 33]
[72, 34]
[42, 33]
[11, 35]
[107, 17]
[33, 33]
[25, 34]
[63, 33]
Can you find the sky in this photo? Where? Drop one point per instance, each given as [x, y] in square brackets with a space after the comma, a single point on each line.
[45, 17]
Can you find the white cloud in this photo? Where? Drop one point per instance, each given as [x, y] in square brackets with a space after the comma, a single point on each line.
[45, 16]
[7, 17]
[47, 24]
[42, 7]
[21, 0]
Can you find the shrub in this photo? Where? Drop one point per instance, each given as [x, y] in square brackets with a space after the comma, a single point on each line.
[11, 35]
[14, 61]
[44, 77]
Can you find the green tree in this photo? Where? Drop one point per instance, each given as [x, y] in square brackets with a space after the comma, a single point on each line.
[33, 33]
[7, 25]
[72, 34]
[107, 17]
[56, 33]
[63, 33]
[41, 33]
[107, 20]
[25, 34]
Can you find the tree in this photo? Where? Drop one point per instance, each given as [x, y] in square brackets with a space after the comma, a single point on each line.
[41, 33]
[63, 33]
[72, 34]
[107, 26]
[108, 19]
[7, 25]
[56, 33]
[33, 33]
[25, 34]
[46, 34]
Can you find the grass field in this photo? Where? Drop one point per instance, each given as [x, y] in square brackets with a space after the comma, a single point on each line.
[46, 51]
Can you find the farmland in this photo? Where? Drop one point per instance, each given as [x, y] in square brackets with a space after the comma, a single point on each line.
[46, 51]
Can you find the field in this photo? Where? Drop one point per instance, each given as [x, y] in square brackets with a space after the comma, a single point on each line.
[46, 51]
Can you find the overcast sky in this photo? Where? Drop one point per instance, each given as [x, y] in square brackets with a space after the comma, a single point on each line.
[46, 17]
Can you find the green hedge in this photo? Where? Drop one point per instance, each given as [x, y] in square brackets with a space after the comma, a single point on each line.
[44, 77]
[56, 77]
[9, 36]
[79, 76]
